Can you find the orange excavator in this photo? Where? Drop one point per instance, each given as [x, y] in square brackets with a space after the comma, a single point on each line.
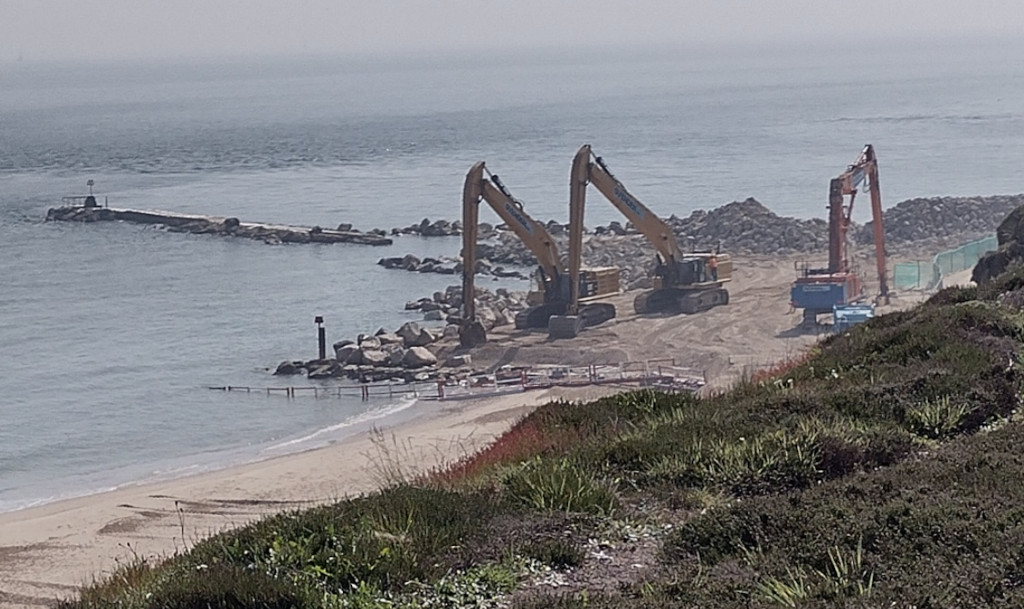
[553, 281]
[683, 282]
[820, 290]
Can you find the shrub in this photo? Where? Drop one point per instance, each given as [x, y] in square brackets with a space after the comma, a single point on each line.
[558, 485]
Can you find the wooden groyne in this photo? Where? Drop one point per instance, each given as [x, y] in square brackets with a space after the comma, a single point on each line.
[215, 225]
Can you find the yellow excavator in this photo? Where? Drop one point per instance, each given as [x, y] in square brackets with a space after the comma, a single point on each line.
[553, 294]
[683, 282]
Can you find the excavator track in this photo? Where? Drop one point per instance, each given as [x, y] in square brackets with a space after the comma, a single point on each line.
[570, 326]
[537, 316]
[680, 301]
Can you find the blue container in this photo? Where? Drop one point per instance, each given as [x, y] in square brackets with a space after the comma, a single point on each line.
[818, 296]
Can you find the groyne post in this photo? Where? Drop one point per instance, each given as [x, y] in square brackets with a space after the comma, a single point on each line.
[321, 336]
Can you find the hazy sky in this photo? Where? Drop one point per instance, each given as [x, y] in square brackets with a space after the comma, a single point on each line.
[45, 30]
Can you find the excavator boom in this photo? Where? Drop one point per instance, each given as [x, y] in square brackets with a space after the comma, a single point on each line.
[687, 282]
[863, 170]
[820, 291]
[482, 185]
[656, 230]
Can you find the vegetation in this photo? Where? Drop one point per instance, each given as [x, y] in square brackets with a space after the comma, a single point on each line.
[881, 469]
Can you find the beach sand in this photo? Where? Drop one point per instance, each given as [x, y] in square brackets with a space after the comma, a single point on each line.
[47, 552]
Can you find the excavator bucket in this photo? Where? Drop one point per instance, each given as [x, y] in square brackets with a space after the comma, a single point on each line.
[472, 334]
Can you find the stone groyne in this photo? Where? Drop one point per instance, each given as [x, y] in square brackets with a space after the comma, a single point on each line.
[215, 225]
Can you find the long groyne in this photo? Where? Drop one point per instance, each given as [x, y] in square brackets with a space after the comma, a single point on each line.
[215, 225]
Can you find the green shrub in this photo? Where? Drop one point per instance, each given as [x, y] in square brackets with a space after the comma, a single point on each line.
[558, 485]
[936, 419]
[556, 553]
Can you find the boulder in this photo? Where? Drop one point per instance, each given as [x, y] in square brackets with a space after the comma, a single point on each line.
[348, 354]
[369, 342]
[325, 371]
[418, 357]
[433, 315]
[374, 357]
[451, 331]
[486, 317]
[287, 368]
[410, 262]
[390, 338]
[410, 334]
[425, 338]
[396, 354]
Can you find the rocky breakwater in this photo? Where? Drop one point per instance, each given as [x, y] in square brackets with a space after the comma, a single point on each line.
[923, 219]
[493, 309]
[426, 228]
[215, 225]
[403, 354]
[739, 227]
[412, 352]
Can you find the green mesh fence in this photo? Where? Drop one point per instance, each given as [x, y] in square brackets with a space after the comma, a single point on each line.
[913, 275]
[922, 275]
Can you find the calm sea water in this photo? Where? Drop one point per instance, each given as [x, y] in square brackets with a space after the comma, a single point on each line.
[110, 334]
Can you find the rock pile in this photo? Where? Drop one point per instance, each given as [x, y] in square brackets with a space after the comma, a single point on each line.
[1010, 236]
[493, 309]
[426, 228]
[212, 225]
[411, 352]
[447, 266]
[925, 218]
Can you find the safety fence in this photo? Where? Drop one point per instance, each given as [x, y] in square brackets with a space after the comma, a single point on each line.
[927, 275]
[662, 374]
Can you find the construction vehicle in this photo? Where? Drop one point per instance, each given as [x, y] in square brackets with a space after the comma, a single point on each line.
[552, 294]
[683, 282]
[819, 290]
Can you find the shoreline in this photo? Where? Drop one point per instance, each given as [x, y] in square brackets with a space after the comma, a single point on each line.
[48, 551]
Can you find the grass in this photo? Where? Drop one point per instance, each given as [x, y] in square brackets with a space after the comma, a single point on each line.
[878, 470]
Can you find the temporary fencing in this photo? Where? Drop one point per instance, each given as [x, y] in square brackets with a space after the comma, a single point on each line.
[662, 374]
[927, 275]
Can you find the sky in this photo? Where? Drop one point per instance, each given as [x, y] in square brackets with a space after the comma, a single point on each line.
[130, 30]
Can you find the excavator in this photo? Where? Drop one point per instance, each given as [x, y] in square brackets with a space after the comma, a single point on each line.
[553, 281]
[820, 290]
[683, 282]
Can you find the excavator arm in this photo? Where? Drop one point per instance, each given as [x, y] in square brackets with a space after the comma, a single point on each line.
[656, 230]
[685, 282]
[481, 184]
[848, 183]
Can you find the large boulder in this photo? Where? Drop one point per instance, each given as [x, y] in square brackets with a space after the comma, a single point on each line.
[418, 357]
[396, 354]
[348, 353]
[390, 338]
[369, 342]
[288, 368]
[1010, 236]
[374, 357]
[413, 335]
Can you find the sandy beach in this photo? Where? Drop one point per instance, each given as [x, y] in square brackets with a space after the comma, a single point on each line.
[46, 552]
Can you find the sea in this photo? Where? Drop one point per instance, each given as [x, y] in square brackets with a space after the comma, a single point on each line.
[112, 334]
